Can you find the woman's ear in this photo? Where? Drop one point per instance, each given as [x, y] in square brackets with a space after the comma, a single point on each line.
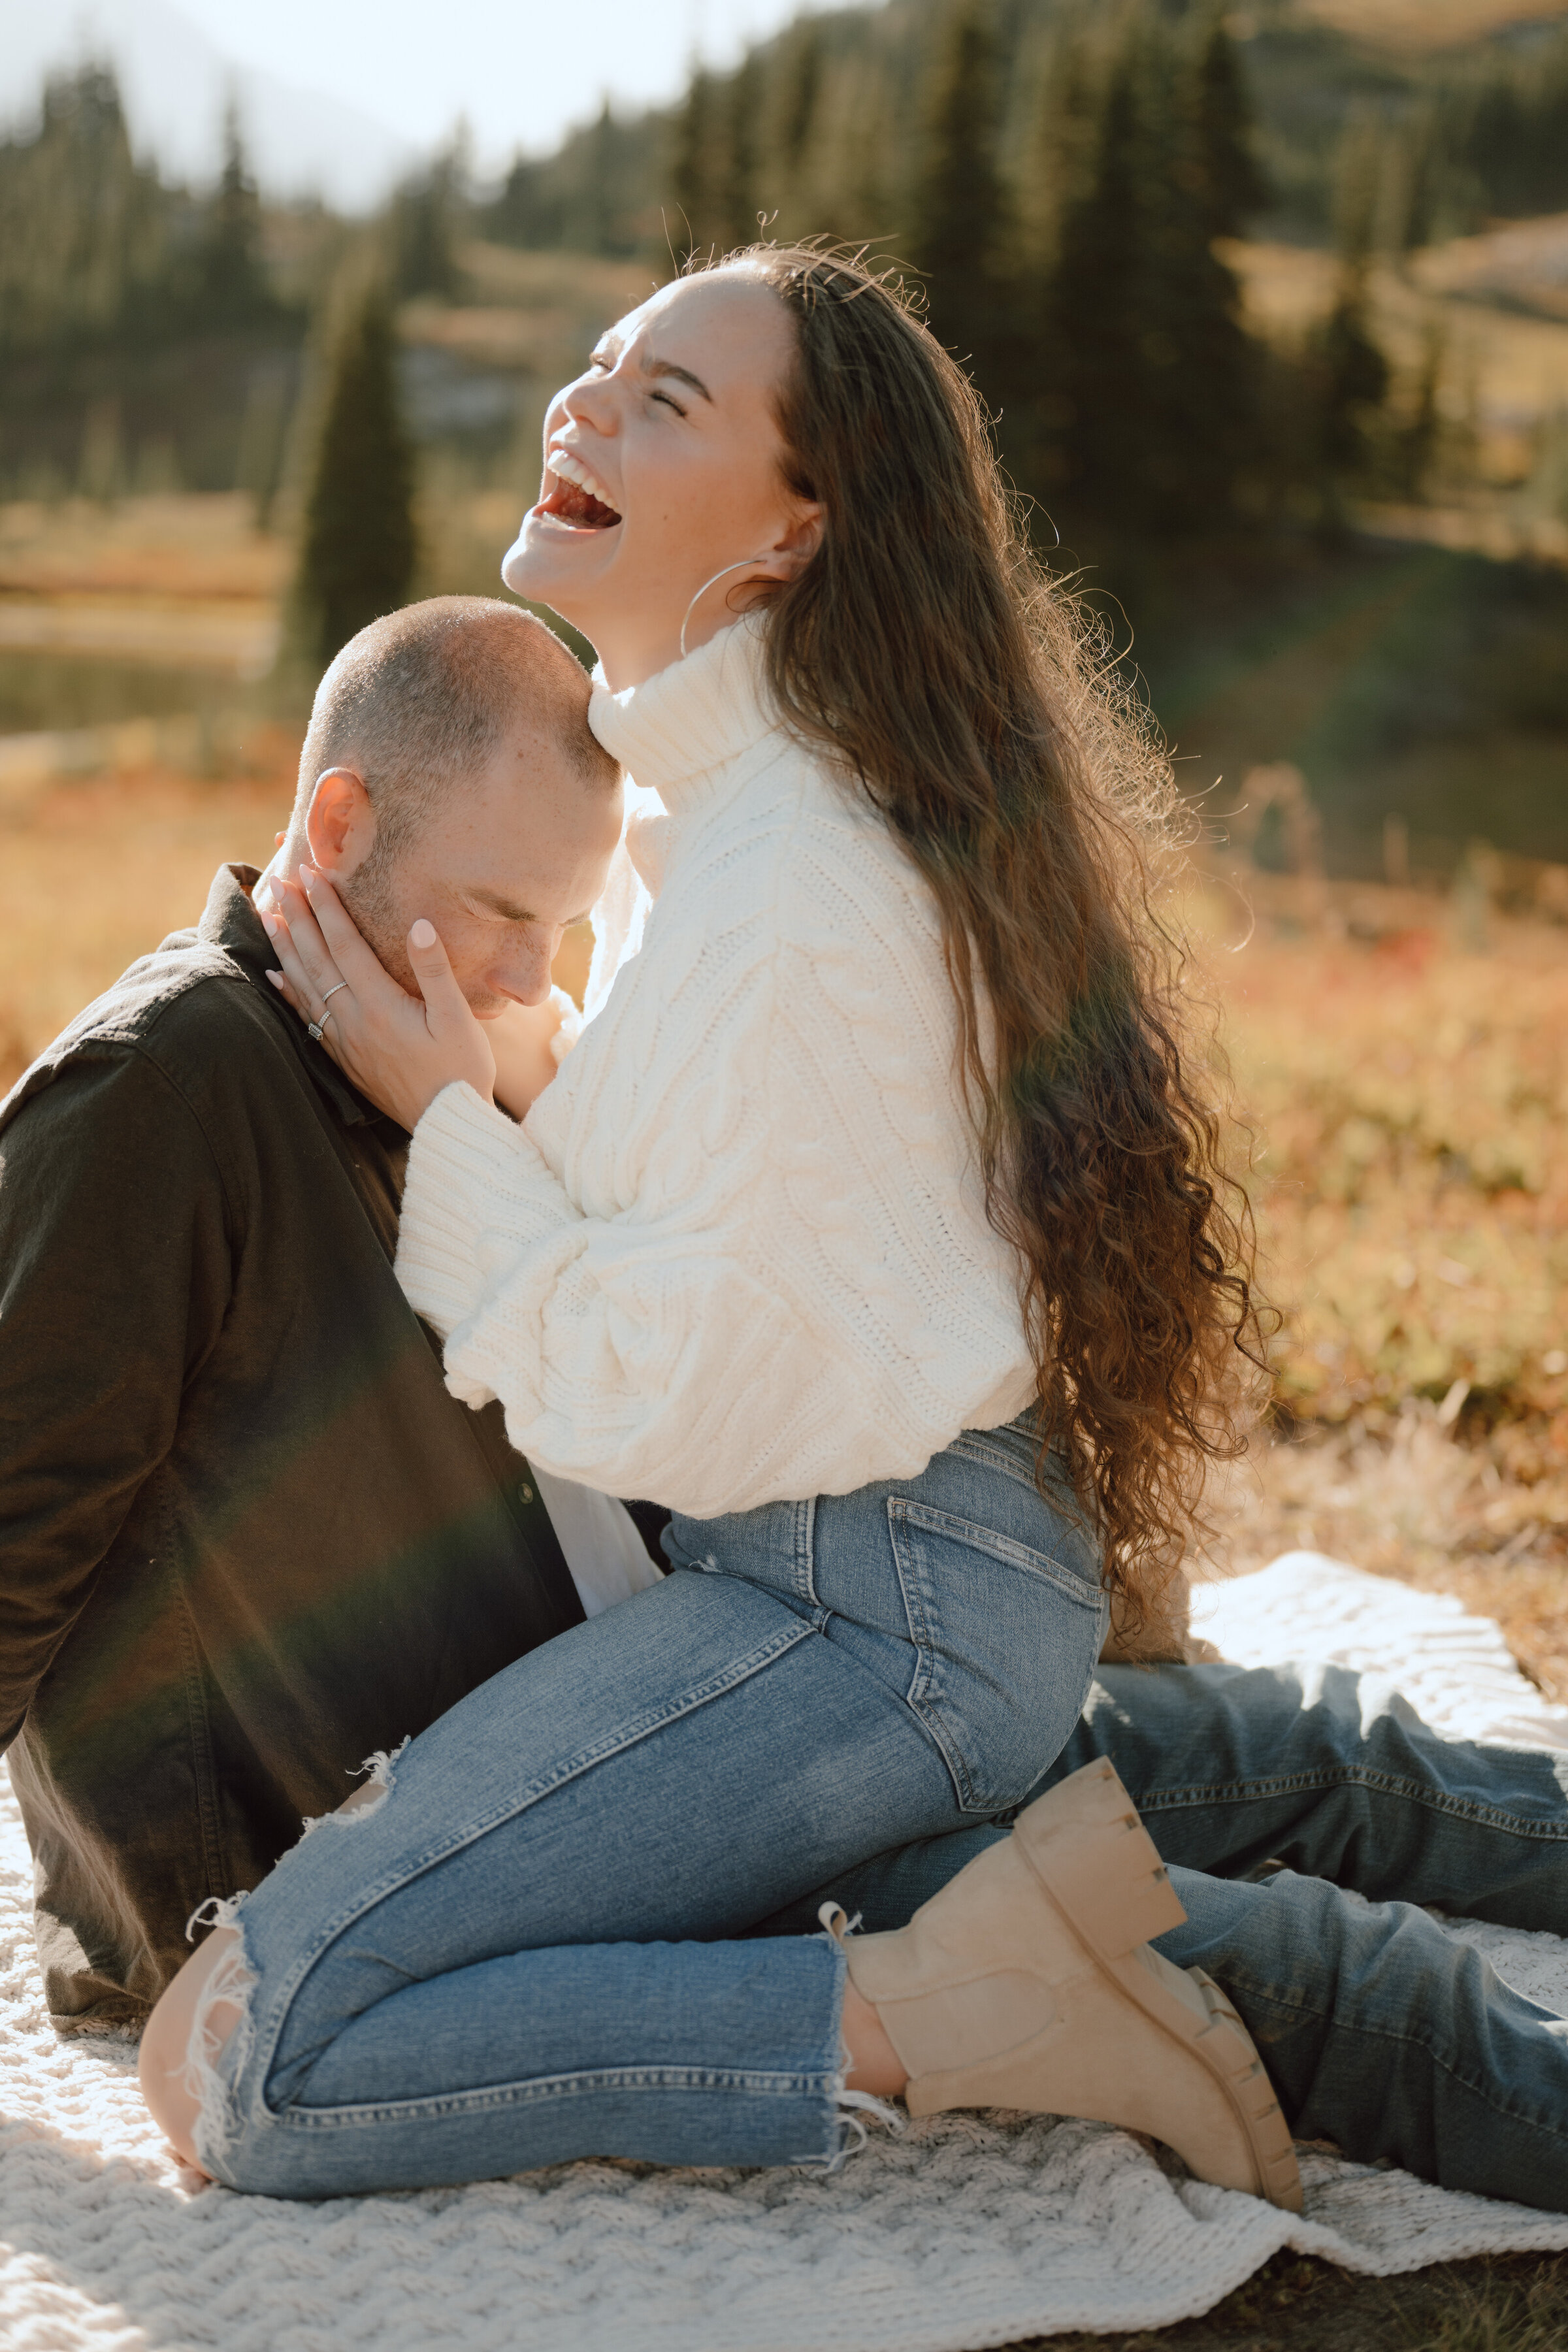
[797, 544]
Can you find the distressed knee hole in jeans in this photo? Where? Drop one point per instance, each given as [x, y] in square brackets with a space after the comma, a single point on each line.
[364, 1802]
[217, 2049]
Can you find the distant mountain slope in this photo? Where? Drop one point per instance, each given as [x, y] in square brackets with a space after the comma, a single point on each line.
[176, 84]
[822, 127]
[1418, 27]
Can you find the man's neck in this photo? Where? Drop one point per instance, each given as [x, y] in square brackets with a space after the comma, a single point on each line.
[283, 861]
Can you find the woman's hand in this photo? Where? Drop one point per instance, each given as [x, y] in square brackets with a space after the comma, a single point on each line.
[398, 1049]
[520, 1039]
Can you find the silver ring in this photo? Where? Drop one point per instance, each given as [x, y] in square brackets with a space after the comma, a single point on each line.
[317, 1028]
[332, 991]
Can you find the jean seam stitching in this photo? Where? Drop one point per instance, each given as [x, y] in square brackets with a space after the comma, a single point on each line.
[1351, 1775]
[539, 2088]
[994, 1457]
[1271, 1999]
[1026, 1559]
[924, 1696]
[806, 1548]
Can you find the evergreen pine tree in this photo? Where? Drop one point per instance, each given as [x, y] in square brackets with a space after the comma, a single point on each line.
[736, 203]
[693, 228]
[801, 77]
[1201, 380]
[1150, 388]
[1353, 376]
[964, 237]
[600, 189]
[86, 251]
[357, 556]
[1351, 371]
[1419, 184]
[426, 221]
[1059, 149]
[1091, 407]
[232, 288]
[1420, 440]
[1232, 186]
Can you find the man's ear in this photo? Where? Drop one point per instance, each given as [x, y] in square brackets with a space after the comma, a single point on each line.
[340, 824]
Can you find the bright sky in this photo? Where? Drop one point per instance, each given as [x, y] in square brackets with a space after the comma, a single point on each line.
[521, 70]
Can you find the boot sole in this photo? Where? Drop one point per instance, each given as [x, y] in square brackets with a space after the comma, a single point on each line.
[1115, 1904]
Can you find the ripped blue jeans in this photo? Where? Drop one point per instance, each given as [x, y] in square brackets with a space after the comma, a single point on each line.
[536, 1946]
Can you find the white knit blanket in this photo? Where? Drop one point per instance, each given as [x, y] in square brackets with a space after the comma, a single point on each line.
[964, 2232]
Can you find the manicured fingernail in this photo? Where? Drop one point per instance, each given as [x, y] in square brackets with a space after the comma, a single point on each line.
[307, 876]
[270, 925]
[423, 935]
[276, 977]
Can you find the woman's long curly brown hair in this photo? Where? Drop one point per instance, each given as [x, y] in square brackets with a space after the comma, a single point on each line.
[964, 693]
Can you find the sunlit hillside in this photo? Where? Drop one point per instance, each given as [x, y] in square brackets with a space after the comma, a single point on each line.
[1419, 27]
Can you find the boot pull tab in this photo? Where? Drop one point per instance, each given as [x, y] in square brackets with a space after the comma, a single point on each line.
[836, 1921]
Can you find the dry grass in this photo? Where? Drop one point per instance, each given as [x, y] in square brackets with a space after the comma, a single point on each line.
[185, 582]
[1409, 1100]
[197, 545]
[1421, 1504]
[95, 874]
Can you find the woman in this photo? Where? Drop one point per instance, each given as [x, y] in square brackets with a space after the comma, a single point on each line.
[875, 1226]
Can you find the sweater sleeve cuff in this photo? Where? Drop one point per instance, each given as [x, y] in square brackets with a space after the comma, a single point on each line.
[463, 1162]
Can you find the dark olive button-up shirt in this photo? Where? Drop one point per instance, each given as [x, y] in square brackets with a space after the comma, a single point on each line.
[247, 1537]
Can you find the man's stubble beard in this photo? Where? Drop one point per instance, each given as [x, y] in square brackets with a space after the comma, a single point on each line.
[367, 894]
[368, 897]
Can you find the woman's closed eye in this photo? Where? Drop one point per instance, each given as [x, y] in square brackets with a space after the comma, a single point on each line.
[603, 362]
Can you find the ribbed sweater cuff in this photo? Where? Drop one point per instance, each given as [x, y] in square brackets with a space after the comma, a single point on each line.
[463, 1161]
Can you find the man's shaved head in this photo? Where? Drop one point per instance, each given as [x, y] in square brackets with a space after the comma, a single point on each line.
[421, 699]
[449, 774]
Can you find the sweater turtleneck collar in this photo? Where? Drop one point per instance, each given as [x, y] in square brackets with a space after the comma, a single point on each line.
[698, 714]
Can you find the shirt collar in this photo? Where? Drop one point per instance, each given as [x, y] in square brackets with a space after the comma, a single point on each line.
[229, 921]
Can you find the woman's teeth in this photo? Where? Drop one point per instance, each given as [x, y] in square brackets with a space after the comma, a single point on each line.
[567, 468]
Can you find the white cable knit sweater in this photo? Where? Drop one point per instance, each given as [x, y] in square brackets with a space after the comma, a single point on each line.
[738, 1250]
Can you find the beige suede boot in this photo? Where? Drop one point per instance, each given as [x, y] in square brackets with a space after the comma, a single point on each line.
[1028, 1982]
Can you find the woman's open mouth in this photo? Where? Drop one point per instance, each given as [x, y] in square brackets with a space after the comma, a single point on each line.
[575, 496]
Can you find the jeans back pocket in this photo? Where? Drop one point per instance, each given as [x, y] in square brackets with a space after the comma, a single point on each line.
[1005, 1639]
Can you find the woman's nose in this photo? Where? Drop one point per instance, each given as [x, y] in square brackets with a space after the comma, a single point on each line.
[592, 400]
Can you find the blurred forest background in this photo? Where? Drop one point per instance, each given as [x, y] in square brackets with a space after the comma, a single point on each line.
[1270, 307]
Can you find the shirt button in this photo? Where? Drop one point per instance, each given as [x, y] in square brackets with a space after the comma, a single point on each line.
[525, 1493]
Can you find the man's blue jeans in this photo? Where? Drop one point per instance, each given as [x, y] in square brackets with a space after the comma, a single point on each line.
[1260, 1787]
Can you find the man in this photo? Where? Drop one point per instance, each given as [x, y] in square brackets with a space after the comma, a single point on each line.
[247, 1537]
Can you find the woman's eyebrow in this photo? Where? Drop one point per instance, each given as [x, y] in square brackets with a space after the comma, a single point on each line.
[682, 376]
